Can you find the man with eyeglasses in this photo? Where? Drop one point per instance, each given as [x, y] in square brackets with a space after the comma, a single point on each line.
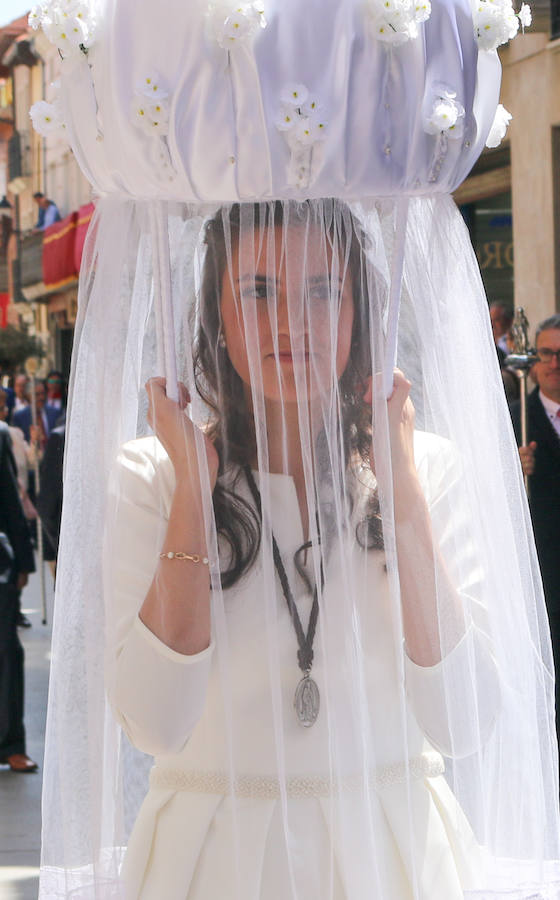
[540, 460]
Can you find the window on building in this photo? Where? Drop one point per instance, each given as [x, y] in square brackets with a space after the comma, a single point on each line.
[554, 19]
[490, 225]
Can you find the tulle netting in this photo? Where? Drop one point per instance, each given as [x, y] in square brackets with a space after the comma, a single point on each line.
[431, 768]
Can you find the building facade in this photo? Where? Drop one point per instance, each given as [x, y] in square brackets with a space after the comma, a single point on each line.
[38, 297]
[511, 201]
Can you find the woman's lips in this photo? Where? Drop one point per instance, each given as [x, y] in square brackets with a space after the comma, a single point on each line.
[286, 356]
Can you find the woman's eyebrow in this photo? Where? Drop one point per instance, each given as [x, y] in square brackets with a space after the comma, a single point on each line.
[254, 277]
[322, 279]
[258, 278]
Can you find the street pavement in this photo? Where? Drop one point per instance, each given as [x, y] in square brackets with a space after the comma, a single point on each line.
[20, 795]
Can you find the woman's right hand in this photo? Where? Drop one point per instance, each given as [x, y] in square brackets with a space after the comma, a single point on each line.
[177, 432]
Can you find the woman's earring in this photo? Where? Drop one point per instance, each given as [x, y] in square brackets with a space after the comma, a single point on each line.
[221, 340]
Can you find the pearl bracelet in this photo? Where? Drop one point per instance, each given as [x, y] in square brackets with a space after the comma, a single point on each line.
[180, 555]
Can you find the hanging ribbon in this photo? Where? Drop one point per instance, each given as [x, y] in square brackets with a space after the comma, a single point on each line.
[165, 329]
[397, 266]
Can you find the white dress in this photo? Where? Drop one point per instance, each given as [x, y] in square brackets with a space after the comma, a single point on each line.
[171, 706]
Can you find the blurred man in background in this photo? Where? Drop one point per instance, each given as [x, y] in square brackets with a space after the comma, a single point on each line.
[16, 561]
[501, 317]
[48, 212]
[540, 460]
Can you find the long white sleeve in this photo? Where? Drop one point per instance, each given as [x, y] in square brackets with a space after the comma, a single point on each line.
[157, 694]
[456, 713]
[455, 702]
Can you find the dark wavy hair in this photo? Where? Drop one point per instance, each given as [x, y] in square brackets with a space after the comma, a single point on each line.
[231, 427]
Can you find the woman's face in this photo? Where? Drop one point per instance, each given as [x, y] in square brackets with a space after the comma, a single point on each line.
[287, 313]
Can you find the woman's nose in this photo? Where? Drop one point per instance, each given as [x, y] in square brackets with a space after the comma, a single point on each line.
[289, 307]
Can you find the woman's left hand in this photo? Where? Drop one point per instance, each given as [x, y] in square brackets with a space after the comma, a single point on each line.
[400, 415]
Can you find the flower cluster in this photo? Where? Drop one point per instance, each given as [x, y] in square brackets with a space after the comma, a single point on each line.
[499, 127]
[496, 22]
[446, 115]
[300, 117]
[150, 107]
[233, 23]
[150, 113]
[68, 24]
[301, 122]
[396, 21]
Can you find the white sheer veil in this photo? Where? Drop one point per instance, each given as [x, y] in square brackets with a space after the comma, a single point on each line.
[278, 280]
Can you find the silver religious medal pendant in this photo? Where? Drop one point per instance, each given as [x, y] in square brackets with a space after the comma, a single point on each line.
[307, 701]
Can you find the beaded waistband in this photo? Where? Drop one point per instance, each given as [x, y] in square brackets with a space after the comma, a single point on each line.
[267, 787]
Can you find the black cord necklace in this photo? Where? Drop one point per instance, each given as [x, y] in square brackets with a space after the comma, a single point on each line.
[306, 698]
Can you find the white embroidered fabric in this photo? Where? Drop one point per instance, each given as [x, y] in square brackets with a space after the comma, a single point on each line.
[427, 766]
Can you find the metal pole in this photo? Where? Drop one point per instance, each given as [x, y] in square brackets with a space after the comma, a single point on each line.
[523, 359]
[523, 415]
[524, 438]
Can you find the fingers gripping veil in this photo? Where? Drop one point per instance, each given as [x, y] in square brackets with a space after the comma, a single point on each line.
[300, 646]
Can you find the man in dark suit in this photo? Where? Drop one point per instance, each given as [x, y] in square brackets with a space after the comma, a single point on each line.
[49, 499]
[16, 561]
[541, 462]
[46, 416]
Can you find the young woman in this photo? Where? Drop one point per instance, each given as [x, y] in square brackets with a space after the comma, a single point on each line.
[242, 552]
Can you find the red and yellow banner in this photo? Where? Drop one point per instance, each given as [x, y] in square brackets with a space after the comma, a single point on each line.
[63, 245]
[59, 239]
[85, 215]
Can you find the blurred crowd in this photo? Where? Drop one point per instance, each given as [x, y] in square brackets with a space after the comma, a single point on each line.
[32, 427]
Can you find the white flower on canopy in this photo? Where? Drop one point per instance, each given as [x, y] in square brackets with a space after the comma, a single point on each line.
[301, 121]
[287, 118]
[235, 23]
[454, 132]
[447, 115]
[494, 24]
[294, 95]
[71, 8]
[511, 22]
[76, 9]
[68, 24]
[499, 127]
[68, 36]
[36, 16]
[151, 86]
[236, 27]
[388, 33]
[422, 10]
[524, 15]
[151, 117]
[309, 130]
[46, 117]
[300, 116]
[396, 21]
[311, 107]
[444, 115]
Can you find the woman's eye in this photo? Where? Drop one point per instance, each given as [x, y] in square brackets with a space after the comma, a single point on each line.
[259, 290]
[316, 293]
[322, 292]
